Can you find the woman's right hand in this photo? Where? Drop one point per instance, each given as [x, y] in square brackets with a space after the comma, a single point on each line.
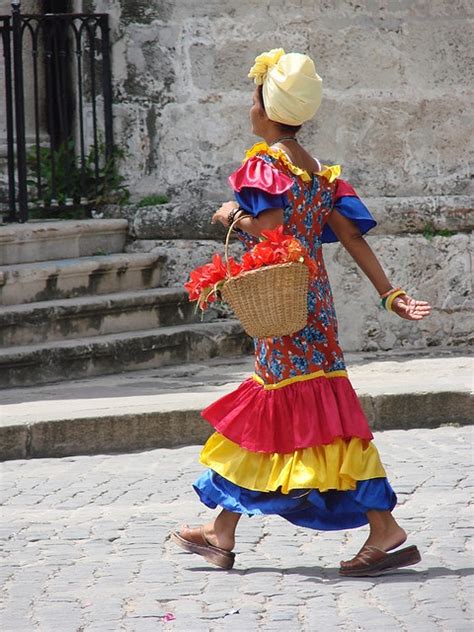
[410, 308]
[222, 214]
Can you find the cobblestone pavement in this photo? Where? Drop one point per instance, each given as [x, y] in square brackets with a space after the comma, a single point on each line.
[85, 547]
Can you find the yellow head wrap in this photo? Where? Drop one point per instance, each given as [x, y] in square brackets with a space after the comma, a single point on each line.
[292, 89]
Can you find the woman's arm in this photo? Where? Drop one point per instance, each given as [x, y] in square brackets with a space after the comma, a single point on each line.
[352, 240]
[350, 237]
[267, 220]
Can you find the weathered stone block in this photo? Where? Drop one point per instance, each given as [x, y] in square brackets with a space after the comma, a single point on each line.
[365, 45]
[14, 442]
[382, 144]
[436, 270]
[422, 214]
[169, 221]
[183, 255]
[444, 51]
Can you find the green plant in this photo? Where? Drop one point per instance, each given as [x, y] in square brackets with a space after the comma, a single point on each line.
[76, 187]
[429, 231]
[153, 200]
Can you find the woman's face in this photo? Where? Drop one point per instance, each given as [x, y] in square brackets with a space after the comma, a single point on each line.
[258, 116]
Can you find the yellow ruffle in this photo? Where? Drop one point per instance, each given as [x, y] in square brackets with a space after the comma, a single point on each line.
[330, 173]
[298, 378]
[338, 465]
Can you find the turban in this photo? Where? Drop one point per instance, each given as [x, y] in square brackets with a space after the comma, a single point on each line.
[292, 89]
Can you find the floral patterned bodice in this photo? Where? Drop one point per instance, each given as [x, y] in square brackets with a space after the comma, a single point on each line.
[315, 347]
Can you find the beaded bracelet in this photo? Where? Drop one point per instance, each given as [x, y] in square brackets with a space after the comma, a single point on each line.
[389, 299]
[232, 215]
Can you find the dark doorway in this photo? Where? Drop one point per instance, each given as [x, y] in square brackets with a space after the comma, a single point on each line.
[59, 93]
[67, 163]
[57, 6]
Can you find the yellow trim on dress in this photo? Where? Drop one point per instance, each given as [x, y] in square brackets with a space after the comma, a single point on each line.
[338, 465]
[329, 172]
[298, 378]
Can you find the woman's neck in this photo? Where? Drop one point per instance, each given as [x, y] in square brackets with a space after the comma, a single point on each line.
[272, 139]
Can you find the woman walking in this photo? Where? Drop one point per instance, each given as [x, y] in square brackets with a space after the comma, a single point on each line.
[293, 440]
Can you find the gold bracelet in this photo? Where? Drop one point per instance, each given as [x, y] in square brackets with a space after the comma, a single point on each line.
[390, 299]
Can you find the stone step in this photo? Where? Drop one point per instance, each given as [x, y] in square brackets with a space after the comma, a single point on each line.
[47, 241]
[114, 353]
[69, 278]
[87, 316]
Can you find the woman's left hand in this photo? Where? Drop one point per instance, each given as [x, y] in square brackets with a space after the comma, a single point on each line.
[409, 308]
[222, 214]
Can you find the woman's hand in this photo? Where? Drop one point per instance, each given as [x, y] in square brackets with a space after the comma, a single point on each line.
[409, 308]
[222, 214]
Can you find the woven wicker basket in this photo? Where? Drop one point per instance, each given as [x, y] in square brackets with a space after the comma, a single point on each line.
[270, 301]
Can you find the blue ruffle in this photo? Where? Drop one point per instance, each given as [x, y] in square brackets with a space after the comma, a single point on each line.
[352, 208]
[254, 201]
[327, 511]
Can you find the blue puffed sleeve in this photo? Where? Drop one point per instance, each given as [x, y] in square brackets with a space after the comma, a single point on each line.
[348, 203]
[254, 201]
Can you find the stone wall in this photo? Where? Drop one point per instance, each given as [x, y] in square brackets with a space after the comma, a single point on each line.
[396, 101]
[436, 269]
[395, 114]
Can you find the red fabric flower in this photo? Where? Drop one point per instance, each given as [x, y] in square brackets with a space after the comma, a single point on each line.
[204, 281]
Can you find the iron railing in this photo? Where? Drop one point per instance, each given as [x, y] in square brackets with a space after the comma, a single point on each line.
[66, 59]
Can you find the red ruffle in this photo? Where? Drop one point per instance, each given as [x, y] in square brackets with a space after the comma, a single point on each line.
[343, 188]
[259, 174]
[301, 415]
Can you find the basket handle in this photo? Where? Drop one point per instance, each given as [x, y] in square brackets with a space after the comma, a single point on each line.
[227, 239]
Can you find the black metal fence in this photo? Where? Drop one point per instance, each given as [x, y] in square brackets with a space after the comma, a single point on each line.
[58, 119]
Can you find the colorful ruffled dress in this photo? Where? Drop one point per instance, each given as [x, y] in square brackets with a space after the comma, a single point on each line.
[292, 439]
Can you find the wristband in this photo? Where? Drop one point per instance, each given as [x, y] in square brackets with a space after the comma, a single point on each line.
[390, 299]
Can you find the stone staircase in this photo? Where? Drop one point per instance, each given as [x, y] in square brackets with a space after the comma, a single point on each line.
[74, 305]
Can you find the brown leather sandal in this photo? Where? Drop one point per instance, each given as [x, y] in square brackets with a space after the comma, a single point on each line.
[201, 546]
[372, 561]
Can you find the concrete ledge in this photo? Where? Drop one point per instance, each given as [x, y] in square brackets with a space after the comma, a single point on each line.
[116, 433]
[421, 410]
[170, 429]
[396, 215]
[161, 407]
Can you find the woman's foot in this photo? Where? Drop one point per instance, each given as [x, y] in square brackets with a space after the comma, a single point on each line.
[372, 561]
[214, 541]
[385, 539]
[194, 540]
[195, 534]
